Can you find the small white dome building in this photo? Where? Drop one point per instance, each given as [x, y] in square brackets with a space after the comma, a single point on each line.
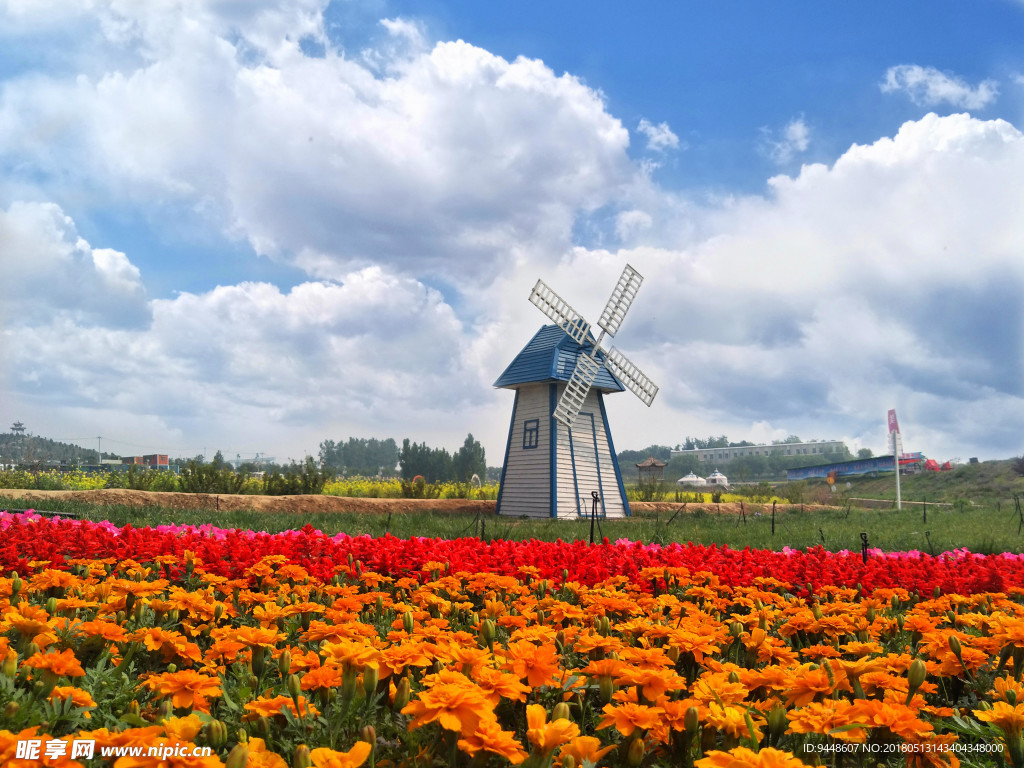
[717, 478]
[691, 479]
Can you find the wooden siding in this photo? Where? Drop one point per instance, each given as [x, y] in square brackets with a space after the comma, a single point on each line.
[594, 468]
[527, 489]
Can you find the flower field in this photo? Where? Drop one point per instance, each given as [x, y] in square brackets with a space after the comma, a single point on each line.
[300, 649]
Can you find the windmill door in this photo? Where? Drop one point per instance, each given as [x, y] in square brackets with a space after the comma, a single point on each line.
[587, 469]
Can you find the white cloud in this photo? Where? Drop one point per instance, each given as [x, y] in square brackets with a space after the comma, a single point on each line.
[795, 138]
[371, 350]
[444, 159]
[659, 137]
[50, 272]
[628, 223]
[929, 87]
[890, 279]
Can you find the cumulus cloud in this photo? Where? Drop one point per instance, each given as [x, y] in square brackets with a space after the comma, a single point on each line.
[442, 159]
[783, 146]
[929, 87]
[659, 137]
[49, 272]
[370, 349]
[890, 279]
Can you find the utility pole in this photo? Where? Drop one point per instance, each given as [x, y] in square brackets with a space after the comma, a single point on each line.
[99, 453]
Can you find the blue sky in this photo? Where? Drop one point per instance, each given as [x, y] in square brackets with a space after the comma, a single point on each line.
[256, 225]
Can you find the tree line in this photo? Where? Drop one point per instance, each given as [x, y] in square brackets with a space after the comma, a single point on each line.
[362, 456]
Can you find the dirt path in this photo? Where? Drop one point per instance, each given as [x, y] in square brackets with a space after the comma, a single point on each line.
[330, 503]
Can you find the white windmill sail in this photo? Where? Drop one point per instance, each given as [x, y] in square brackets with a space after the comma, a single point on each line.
[634, 379]
[622, 297]
[588, 365]
[567, 318]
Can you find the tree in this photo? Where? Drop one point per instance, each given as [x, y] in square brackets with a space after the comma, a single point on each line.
[865, 453]
[469, 461]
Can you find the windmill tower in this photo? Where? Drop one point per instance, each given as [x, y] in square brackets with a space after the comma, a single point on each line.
[560, 449]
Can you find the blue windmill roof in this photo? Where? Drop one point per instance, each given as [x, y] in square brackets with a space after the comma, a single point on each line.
[551, 356]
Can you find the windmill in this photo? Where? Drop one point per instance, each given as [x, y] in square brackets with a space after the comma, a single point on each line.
[559, 450]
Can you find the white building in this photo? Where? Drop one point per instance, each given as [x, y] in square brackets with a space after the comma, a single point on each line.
[813, 448]
[691, 479]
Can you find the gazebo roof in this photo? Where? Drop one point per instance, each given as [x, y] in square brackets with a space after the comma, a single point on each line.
[650, 461]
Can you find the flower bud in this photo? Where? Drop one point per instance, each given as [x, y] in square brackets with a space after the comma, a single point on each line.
[408, 623]
[218, 611]
[238, 756]
[51, 606]
[10, 665]
[401, 694]
[734, 677]
[777, 721]
[937, 591]
[165, 711]
[284, 662]
[607, 686]
[11, 710]
[568, 761]
[870, 614]
[368, 734]
[216, 734]
[371, 676]
[565, 575]
[691, 721]
[379, 605]
[172, 667]
[560, 711]
[916, 674]
[489, 631]
[16, 583]
[301, 758]
[294, 686]
[954, 646]
[635, 754]
[133, 707]
[263, 727]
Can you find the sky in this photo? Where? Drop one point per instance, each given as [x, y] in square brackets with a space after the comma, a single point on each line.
[251, 226]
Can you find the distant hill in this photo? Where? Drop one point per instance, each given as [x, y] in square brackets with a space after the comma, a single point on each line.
[987, 481]
[31, 449]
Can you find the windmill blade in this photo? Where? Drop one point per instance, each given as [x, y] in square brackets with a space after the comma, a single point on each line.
[576, 390]
[567, 318]
[623, 295]
[634, 379]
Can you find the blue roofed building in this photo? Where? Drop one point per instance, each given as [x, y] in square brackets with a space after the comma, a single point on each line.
[550, 470]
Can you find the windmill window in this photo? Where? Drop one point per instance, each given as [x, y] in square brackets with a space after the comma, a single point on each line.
[531, 433]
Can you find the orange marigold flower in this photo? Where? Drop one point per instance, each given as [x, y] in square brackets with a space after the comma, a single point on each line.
[536, 663]
[732, 720]
[322, 677]
[742, 757]
[547, 736]
[271, 707]
[187, 688]
[456, 704]
[331, 758]
[63, 664]
[823, 717]
[261, 757]
[1008, 718]
[585, 748]
[901, 720]
[489, 737]
[79, 697]
[628, 717]
[254, 637]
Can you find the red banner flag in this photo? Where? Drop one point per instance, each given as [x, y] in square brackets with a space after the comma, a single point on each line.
[893, 424]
